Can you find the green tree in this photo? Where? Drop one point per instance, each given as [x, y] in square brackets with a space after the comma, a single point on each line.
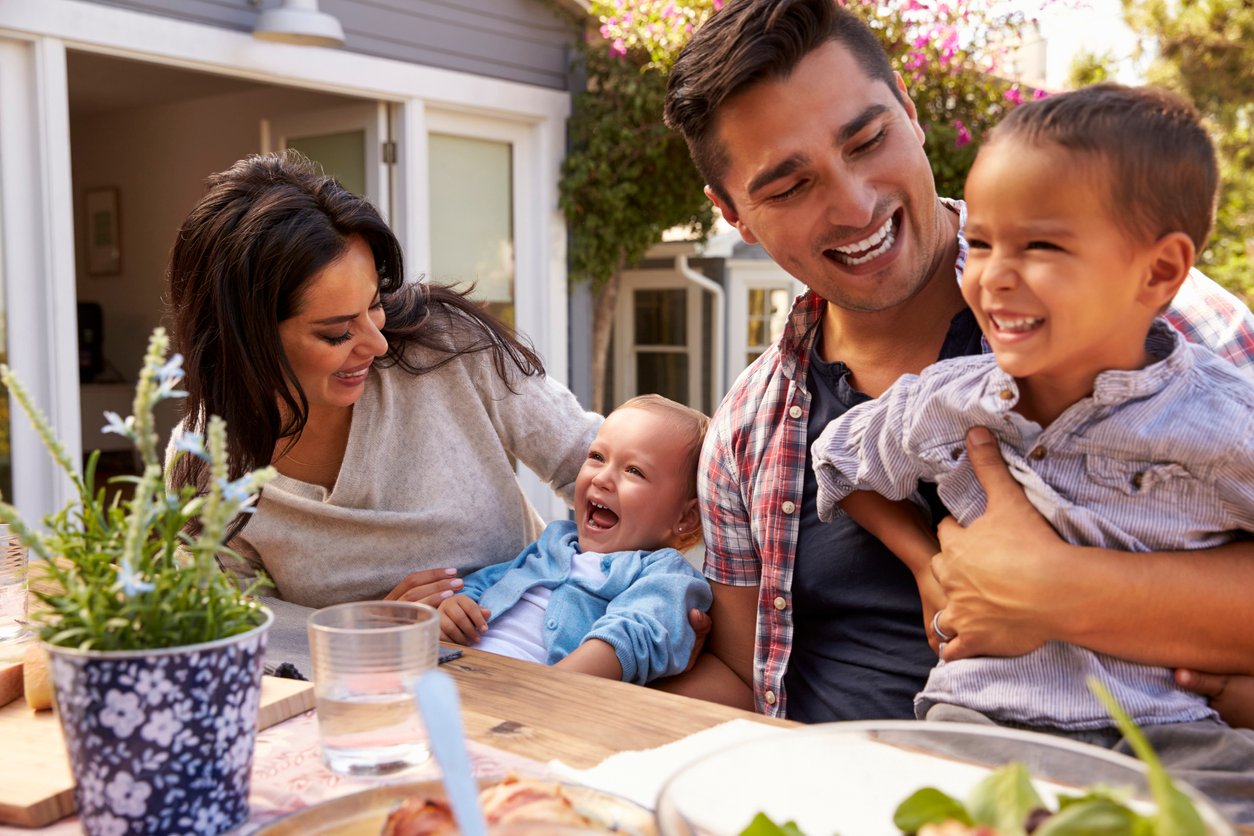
[1205, 50]
[626, 179]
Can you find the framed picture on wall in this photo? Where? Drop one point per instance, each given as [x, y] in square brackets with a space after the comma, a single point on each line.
[104, 232]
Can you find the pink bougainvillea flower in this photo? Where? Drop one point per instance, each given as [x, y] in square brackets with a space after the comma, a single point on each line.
[1014, 95]
[963, 136]
[1038, 93]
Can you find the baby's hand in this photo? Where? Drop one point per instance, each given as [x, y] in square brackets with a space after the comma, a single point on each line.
[462, 621]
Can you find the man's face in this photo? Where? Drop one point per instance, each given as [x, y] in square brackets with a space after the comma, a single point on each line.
[826, 170]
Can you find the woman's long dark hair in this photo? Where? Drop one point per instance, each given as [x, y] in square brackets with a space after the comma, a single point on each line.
[241, 264]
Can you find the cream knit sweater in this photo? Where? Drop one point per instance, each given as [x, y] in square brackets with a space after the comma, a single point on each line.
[426, 482]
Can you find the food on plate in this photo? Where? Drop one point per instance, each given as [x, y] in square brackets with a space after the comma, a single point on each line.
[1006, 802]
[36, 682]
[514, 800]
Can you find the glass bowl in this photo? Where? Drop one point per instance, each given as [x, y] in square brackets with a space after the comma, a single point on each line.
[849, 778]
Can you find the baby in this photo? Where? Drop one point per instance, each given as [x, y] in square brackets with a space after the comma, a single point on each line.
[607, 594]
[1086, 210]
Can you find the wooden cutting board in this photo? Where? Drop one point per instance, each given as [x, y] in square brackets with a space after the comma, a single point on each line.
[36, 787]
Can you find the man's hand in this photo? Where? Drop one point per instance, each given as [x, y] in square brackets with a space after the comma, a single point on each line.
[430, 586]
[701, 624]
[462, 620]
[993, 571]
[1232, 695]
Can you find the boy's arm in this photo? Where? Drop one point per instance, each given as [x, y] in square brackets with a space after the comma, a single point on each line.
[1012, 584]
[900, 525]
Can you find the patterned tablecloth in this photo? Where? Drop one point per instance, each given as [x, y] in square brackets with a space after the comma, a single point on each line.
[288, 775]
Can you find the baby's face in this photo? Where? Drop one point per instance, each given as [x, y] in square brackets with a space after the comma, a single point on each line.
[631, 491]
[1053, 280]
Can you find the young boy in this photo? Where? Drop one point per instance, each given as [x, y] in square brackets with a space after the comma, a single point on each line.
[1085, 212]
[607, 594]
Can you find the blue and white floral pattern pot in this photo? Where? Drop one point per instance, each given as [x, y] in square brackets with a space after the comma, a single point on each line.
[161, 741]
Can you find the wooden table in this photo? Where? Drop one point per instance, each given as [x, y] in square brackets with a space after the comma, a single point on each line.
[544, 713]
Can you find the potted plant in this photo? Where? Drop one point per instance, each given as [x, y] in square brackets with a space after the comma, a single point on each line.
[155, 653]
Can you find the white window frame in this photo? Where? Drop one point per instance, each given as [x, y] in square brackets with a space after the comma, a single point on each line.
[744, 275]
[38, 215]
[625, 348]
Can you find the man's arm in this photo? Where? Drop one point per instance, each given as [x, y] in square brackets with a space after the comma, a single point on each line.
[1012, 584]
[724, 672]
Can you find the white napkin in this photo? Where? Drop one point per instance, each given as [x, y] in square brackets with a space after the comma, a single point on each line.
[640, 775]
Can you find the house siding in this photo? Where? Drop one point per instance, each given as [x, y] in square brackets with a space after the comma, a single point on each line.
[515, 40]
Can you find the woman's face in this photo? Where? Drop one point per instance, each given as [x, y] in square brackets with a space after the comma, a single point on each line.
[336, 333]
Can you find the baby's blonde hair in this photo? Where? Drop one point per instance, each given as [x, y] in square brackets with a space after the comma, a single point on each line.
[693, 424]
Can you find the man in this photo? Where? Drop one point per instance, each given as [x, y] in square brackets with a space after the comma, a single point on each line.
[810, 146]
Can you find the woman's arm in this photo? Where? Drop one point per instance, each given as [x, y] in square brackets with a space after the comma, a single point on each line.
[1012, 584]
[542, 424]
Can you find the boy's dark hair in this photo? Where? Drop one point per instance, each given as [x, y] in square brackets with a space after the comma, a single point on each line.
[693, 425]
[1163, 176]
[750, 41]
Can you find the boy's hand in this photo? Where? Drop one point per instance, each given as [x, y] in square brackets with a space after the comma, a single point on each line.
[462, 621]
[1232, 695]
[933, 598]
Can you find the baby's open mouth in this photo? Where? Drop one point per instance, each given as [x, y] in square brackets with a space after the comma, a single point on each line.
[600, 517]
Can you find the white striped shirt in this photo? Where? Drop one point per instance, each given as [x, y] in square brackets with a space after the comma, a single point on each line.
[1157, 459]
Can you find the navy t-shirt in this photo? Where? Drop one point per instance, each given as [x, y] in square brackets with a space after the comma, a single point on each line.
[859, 650]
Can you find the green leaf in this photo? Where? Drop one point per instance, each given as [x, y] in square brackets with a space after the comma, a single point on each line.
[763, 826]
[1176, 815]
[1093, 816]
[928, 806]
[1004, 799]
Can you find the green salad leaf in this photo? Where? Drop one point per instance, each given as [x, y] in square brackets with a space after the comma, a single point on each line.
[1004, 799]
[928, 806]
[763, 826]
[1176, 815]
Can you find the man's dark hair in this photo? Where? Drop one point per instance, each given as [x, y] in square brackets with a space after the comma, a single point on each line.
[1155, 155]
[751, 41]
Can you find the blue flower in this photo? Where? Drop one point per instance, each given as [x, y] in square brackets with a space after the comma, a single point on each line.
[192, 443]
[168, 375]
[239, 492]
[131, 583]
[116, 424]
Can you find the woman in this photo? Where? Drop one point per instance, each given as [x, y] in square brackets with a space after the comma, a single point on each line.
[392, 411]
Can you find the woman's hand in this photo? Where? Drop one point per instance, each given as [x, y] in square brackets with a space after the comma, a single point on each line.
[1232, 695]
[430, 586]
[994, 571]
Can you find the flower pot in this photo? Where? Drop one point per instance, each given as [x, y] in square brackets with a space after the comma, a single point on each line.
[161, 741]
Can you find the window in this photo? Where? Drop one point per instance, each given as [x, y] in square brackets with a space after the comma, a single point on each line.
[766, 314]
[661, 342]
[472, 222]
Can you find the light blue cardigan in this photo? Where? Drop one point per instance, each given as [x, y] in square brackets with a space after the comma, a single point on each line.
[640, 609]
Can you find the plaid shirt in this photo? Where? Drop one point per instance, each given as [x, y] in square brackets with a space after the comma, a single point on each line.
[752, 469]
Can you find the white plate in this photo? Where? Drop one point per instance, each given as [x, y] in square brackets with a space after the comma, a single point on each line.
[849, 778]
[363, 813]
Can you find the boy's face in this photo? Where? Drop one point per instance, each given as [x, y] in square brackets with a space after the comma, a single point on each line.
[1057, 286]
[826, 169]
[633, 490]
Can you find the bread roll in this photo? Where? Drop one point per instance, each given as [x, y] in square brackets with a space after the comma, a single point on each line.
[36, 678]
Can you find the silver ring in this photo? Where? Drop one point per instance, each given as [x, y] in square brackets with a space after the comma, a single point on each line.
[936, 628]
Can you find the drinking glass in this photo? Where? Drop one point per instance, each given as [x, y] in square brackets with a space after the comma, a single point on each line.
[367, 658]
[12, 586]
